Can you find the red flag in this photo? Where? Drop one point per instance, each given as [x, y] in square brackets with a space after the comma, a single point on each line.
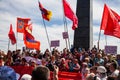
[30, 42]
[21, 24]
[110, 22]
[104, 18]
[46, 14]
[70, 14]
[12, 35]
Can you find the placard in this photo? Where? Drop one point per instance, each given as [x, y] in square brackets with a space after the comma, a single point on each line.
[55, 43]
[65, 35]
[111, 49]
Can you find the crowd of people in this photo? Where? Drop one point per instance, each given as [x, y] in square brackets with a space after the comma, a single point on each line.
[93, 64]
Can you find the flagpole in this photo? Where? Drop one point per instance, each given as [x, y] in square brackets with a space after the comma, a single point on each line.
[99, 39]
[8, 43]
[45, 29]
[67, 31]
[46, 32]
[65, 28]
[16, 39]
[106, 39]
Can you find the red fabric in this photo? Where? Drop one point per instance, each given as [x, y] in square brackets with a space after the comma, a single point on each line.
[104, 18]
[110, 22]
[12, 35]
[45, 12]
[30, 42]
[22, 70]
[61, 75]
[70, 14]
[21, 24]
[28, 35]
[67, 75]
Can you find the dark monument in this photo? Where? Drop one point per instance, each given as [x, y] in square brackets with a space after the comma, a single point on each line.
[83, 35]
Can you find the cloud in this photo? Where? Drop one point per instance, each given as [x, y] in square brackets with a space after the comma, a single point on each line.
[54, 32]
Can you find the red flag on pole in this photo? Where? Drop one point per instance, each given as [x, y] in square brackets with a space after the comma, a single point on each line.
[21, 24]
[70, 14]
[104, 18]
[12, 35]
[46, 14]
[110, 22]
[30, 42]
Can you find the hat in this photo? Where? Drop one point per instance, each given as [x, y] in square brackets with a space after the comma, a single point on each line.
[101, 69]
[7, 73]
[26, 77]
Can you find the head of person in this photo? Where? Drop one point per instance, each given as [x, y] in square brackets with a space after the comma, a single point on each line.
[113, 66]
[1, 61]
[33, 63]
[52, 58]
[87, 60]
[40, 73]
[84, 65]
[75, 61]
[101, 71]
[26, 77]
[23, 60]
[62, 60]
[93, 69]
[90, 76]
[44, 62]
[99, 55]
[87, 71]
[35, 55]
